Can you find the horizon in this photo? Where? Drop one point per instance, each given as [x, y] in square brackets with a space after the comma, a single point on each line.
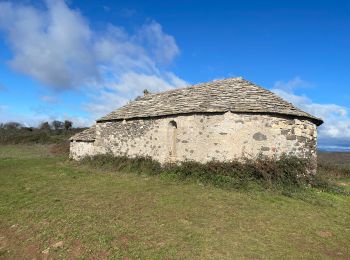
[72, 60]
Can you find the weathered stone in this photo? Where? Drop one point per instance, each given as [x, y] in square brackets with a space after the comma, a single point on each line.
[285, 131]
[301, 139]
[259, 136]
[298, 131]
[123, 139]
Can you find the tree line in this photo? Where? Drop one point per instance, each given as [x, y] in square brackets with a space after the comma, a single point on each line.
[52, 132]
[55, 125]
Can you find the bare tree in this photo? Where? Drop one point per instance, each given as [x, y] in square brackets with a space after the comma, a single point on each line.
[12, 126]
[57, 125]
[68, 124]
[44, 126]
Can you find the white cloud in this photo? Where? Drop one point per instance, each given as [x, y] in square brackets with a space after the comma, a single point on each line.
[127, 88]
[57, 47]
[335, 132]
[104, 103]
[326, 111]
[292, 84]
[52, 46]
[38, 115]
[163, 46]
[132, 82]
[78, 121]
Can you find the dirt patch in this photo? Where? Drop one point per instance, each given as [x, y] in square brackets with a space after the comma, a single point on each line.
[12, 242]
[123, 241]
[77, 250]
[325, 234]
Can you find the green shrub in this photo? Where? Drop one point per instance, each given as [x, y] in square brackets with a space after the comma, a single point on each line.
[327, 176]
[142, 165]
[287, 173]
[333, 170]
[35, 136]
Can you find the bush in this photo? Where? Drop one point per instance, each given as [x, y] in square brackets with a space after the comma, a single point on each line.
[327, 176]
[333, 170]
[35, 136]
[268, 173]
[139, 164]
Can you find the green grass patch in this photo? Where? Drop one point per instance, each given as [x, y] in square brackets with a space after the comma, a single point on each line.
[104, 213]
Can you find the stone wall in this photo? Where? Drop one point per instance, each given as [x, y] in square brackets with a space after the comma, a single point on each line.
[208, 137]
[80, 149]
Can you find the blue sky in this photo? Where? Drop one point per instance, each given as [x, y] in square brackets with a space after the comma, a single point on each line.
[80, 59]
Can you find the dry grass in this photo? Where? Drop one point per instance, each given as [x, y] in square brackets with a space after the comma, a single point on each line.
[335, 158]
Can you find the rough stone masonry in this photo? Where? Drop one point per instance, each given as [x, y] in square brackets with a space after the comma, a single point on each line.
[220, 120]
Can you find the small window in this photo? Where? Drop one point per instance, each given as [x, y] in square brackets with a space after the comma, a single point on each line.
[173, 124]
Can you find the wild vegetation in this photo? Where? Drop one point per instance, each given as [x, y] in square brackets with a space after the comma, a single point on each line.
[51, 207]
[46, 133]
[285, 174]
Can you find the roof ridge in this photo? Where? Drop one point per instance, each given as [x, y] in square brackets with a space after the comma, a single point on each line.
[191, 86]
[230, 94]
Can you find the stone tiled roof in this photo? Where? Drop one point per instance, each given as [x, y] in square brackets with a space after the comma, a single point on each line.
[87, 135]
[232, 94]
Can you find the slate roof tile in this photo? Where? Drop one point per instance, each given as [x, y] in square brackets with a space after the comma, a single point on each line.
[87, 135]
[232, 94]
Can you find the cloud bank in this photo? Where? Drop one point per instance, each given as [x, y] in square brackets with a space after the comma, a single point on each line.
[335, 132]
[59, 48]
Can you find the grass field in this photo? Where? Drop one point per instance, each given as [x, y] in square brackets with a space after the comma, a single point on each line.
[53, 208]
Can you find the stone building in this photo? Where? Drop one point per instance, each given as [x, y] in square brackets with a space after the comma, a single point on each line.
[220, 120]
